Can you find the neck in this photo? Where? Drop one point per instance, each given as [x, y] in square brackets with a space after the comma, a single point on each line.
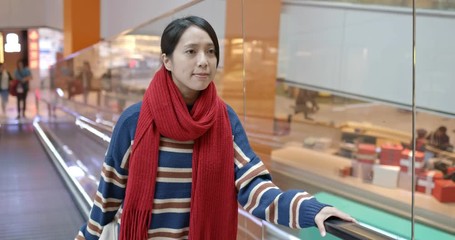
[190, 98]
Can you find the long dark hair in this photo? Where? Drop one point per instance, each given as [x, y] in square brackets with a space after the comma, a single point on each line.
[172, 33]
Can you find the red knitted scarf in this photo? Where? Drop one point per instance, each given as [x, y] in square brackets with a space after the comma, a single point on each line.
[213, 196]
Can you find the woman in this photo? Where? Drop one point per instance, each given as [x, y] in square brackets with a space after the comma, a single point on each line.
[24, 76]
[5, 81]
[190, 163]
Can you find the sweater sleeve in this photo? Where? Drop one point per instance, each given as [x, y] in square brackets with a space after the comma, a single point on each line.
[257, 193]
[112, 184]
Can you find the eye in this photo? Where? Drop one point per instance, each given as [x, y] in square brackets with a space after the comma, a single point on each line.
[211, 51]
[190, 51]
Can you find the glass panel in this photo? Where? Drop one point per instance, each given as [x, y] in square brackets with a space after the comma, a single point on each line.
[342, 119]
[435, 121]
[421, 4]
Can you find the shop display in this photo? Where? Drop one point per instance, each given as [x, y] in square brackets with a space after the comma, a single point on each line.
[425, 181]
[362, 170]
[362, 165]
[345, 171]
[390, 154]
[385, 176]
[405, 181]
[366, 153]
[444, 191]
[406, 161]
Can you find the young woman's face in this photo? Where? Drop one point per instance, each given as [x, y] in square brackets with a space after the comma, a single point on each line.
[193, 62]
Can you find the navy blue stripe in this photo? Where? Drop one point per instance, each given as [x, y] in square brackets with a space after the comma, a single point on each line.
[170, 220]
[172, 190]
[175, 160]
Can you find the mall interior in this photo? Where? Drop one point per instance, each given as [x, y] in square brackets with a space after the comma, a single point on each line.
[348, 100]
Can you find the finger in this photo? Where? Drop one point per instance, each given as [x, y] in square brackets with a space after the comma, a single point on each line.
[321, 228]
[346, 217]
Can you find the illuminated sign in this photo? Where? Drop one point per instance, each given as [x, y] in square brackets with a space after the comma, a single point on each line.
[12, 43]
[2, 55]
[33, 48]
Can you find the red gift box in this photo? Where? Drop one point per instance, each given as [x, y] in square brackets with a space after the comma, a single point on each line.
[406, 160]
[390, 154]
[366, 153]
[444, 191]
[425, 181]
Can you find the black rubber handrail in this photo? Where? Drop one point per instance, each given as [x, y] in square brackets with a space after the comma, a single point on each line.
[352, 231]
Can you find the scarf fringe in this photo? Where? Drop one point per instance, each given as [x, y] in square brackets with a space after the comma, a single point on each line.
[139, 230]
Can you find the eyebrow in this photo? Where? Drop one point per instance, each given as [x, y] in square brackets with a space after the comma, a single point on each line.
[195, 45]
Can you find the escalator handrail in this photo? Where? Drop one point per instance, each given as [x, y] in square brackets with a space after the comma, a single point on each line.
[354, 231]
[79, 116]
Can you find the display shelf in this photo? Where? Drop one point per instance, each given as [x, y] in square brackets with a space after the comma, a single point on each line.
[321, 169]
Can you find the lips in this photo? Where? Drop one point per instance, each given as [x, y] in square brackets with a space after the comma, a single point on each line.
[202, 74]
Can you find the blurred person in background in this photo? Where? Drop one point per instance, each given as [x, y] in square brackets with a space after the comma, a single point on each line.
[421, 140]
[85, 76]
[440, 139]
[24, 76]
[5, 81]
[306, 103]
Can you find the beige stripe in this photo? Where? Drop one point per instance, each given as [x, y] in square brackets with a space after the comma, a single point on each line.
[166, 205]
[240, 156]
[112, 169]
[111, 177]
[80, 236]
[176, 150]
[171, 169]
[182, 233]
[107, 204]
[165, 139]
[250, 174]
[256, 193]
[171, 210]
[174, 174]
[172, 200]
[93, 229]
[176, 145]
[126, 157]
[294, 203]
[174, 180]
[273, 210]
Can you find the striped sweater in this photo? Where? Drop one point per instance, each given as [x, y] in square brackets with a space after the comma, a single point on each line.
[171, 207]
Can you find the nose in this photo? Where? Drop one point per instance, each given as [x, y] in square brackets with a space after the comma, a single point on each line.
[202, 60]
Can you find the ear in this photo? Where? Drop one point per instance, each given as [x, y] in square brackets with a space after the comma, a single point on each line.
[166, 61]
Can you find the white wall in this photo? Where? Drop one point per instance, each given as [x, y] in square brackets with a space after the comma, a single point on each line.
[216, 17]
[31, 13]
[367, 51]
[118, 16]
